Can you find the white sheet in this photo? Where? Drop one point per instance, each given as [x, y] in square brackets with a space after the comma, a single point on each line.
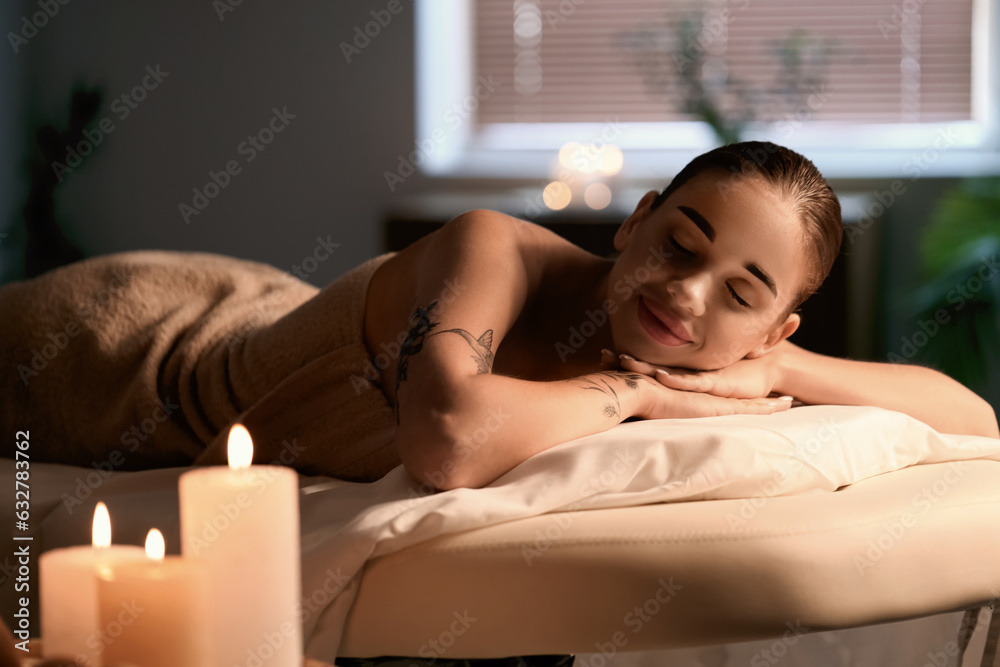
[804, 450]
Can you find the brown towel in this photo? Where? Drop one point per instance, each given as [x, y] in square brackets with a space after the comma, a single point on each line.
[144, 359]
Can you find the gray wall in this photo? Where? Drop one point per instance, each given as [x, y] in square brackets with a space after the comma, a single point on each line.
[11, 149]
[321, 176]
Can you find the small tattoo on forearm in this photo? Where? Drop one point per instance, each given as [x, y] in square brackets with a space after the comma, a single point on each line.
[603, 385]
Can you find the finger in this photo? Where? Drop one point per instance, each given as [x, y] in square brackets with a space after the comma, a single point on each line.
[767, 406]
[702, 382]
[784, 403]
[630, 363]
[609, 360]
[756, 406]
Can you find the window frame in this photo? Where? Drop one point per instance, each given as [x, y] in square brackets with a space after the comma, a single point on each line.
[448, 145]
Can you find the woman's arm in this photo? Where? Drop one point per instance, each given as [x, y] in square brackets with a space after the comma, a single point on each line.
[923, 393]
[460, 424]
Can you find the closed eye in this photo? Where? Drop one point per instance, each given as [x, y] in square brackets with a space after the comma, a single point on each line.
[679, 248]
[736, 296]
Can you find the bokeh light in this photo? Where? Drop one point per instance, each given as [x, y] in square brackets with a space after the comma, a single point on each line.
[557, 195]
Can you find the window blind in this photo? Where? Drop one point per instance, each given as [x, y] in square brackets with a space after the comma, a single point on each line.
[894, 61]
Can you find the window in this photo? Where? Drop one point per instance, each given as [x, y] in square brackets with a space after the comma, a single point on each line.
[864, 88]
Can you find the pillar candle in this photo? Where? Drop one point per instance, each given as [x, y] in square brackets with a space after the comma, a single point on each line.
[68, 593]
[243, 523]
[156, 610]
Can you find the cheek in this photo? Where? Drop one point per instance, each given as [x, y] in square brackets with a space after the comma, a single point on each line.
[753, 330]
[732, 337]
[641, 274]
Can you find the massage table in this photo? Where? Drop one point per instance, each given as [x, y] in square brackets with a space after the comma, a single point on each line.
[610, 583]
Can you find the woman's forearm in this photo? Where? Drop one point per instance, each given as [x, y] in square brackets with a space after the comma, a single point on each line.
[923, 393]
[494, 422]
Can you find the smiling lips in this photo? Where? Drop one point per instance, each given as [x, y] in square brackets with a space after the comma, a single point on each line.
[661, 324]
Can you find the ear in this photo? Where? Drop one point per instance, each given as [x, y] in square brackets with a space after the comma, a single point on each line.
[642, 210]
[778, 334]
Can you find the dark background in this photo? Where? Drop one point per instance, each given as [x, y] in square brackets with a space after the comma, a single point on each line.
[323, 175]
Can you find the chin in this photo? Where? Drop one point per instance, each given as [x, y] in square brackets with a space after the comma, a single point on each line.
[700, 360]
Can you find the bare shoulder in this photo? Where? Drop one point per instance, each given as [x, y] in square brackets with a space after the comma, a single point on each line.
[498, 233]
[515, 250]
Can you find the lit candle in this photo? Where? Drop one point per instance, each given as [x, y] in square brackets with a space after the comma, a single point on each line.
[69, 593]
[243, 523]
[155, 611]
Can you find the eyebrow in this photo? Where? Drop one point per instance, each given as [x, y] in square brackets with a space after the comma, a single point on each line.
[709, 231]
[699, 220]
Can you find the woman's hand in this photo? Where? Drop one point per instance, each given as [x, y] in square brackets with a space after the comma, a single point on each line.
[663, 401]
[667, 403]
[746, 378]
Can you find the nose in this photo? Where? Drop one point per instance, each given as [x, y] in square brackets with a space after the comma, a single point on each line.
[689, 292]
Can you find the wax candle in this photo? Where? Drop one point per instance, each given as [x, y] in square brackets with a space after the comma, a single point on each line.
[155, 611]
[68, 593]
[243, 523]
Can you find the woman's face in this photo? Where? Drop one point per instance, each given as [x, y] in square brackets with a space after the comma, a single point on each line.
[702, 280]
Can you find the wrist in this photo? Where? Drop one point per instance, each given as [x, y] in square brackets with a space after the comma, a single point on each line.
[634, 392]
[782, 364]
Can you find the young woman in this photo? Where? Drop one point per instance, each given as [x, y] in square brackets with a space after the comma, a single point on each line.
[461, 356]
[696, 310]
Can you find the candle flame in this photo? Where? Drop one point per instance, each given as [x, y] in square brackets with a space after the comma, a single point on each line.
[101, 533]
[240, 447]
[155, 548]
